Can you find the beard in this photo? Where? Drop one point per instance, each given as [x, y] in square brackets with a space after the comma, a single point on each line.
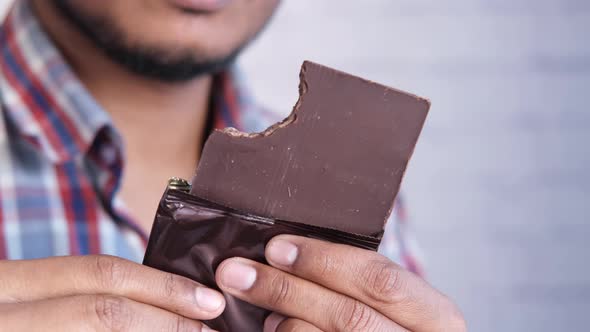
[151, 62]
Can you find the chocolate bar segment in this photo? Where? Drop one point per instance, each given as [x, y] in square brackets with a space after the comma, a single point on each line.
[337, 161]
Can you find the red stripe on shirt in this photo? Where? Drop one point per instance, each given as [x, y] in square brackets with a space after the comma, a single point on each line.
[66, 196]
[90, 210]
[39, 114]
[28, 100]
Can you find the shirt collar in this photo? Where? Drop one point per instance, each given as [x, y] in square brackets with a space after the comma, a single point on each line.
[47, 103]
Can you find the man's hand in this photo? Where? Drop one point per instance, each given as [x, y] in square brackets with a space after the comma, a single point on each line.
[100, 293]
[322, 286]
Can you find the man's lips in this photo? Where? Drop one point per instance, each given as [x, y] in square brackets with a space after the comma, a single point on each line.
[200, 5]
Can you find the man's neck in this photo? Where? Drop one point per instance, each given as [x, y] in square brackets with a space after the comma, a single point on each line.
[139, 106]
[162, 124]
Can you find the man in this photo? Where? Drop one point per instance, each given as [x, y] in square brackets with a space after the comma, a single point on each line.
[102, 101]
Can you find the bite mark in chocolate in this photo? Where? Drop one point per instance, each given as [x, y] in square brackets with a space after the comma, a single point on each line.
[337, 161]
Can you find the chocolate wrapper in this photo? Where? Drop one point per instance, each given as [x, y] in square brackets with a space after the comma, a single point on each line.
[192, 236]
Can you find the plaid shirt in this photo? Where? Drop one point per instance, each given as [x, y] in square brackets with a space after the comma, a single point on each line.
[61, 158]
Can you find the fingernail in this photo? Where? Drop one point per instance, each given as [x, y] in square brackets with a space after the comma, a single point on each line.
[238, 275]
[282, 252]
[272, 322]
[208, 299]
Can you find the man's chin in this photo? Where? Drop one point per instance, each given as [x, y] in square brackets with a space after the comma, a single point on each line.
[154, 62]
[150, 65]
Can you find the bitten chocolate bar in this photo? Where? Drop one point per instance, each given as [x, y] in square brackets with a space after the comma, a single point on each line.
[336, 162]
[330, 171]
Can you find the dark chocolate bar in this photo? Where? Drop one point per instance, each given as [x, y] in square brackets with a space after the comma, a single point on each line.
[336, 162]
[331, 171]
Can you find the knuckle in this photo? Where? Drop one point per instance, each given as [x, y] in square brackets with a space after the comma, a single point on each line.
[384, 282]
[171, 285]
[281, 291]
[326, 266]
[356, 316]
[180, 324]
[177, 287]
[111, 312]
[110, 271]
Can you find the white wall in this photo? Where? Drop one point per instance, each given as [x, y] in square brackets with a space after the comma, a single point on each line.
[4, 6]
